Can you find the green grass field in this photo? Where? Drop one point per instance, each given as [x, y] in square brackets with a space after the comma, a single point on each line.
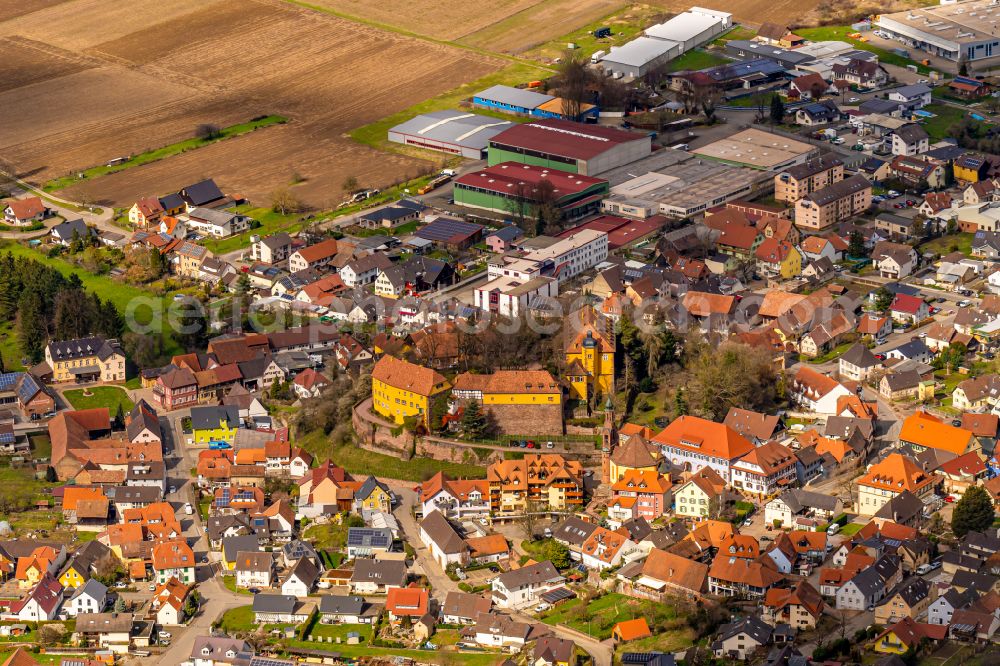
[162, 153]
[960, 242]
[639, 18]
[945, 117]
[696, 59]
[359, 461]
[839, 33]
[239, 619]
[601, 615]
[102, 396]
[850, 529]
[270, 223]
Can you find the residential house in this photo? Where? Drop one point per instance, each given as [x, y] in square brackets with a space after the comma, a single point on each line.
[254, 569]
[364, 270]
[406, 602]
[91, 597]
[695, 442]
[313, 256]
[546, 478]
[24, 212]
[739, 577]
[41, 603]
[85, 360]
[791, 504]
[800, 607]
[888, 478]
[368, 541]
[817, 392]
[280, 609]
[301, 579]
[107, 631]
[778, 259]
[272, 249]
[922, 430]
[522, 587]
[173, 559]
[907, 309]
[401, 389]
[861, 72]
[818, 113]
[377, 576]
[907, 634]
[348, 609]
[764, 470]
[445, 545]
[894, 260]
[910, 139]
[857, 363]
[741, 639]
[909, 599]
[455, 498]
[911, 97]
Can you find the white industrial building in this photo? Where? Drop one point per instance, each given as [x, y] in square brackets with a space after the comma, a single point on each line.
[955, 31]
[453, 132]
[665, 41]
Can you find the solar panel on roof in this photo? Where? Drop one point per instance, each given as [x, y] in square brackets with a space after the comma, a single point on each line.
[444, 229]
[8, 379]
[557, 595]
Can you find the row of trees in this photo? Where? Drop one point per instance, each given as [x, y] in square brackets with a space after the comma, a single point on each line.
[42, 303]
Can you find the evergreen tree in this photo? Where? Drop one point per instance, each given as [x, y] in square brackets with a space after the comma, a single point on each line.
[777, 110]
[120, 417]
[30, 326]
[974, 512]
[856, 246]
[474, 423]
[883, 299]
[680, 404]
[439, 409]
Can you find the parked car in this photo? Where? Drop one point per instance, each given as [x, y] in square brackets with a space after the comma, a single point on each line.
[541, 608]
[852, 100]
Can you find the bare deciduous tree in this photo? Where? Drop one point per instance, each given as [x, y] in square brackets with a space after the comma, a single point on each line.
[284, 202]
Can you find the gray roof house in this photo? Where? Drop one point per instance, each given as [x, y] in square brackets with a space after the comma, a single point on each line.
[279, 609]
[861, 592]
[739, 640]
[348, 609]
[857, 362]
[373, 576]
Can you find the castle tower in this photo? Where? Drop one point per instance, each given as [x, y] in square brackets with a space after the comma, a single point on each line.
[609, 440]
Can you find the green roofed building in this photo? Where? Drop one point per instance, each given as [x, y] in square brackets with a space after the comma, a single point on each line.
[498, 187]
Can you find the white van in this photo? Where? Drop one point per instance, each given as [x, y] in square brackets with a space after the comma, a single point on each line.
[833, 529]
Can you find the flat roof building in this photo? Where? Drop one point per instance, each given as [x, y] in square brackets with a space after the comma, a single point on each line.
[684, 189]
[453, 132]
[960, 30]
[574, 147]
[758, 149]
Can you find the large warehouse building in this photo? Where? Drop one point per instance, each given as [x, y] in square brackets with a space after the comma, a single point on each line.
[758, 149]
[520, 101]
[665, 41]
[958, 31]
[453, 132]
[588, 150]
[498, 188]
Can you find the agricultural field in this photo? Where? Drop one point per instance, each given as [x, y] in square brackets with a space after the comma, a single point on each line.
[752, 12]
[164, 68]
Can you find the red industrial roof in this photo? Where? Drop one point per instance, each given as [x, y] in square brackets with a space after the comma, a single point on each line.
[506, 176]
[565, 138]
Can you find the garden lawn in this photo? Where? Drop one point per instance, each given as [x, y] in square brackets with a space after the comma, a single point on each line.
[41, 446]
[696, 59]
[340, 631]
[850, 529]
[604, 613]
[103, 396]
[960, 242]
[9, 350]
[359, 461]
[838, 33]
[945, 116]
[669, 641]
[161, 153]
[327, 536]
[270, 224]
[238, 619]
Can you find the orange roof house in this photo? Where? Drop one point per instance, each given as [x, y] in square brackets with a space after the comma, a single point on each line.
[889, 478]
[631, 630]
[705, 304]
[801, 606]
[694, 441]
[734, 576]
[925, 431]
[406, 602]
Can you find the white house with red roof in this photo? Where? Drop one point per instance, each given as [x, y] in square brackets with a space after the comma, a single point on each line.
[41, 603]
[309, 383]
[23, 212]
[909, 309]
[817, 392]
[693, 443]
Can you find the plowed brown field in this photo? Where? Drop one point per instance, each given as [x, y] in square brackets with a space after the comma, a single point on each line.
[72, 100]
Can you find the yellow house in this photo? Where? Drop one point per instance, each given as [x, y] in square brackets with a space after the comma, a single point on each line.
[590, 358]
[779, 258]
[373, 495]
[86, 359]
[905, 634]
[970, 168]
[188, 258]
[215, 424]
[401, 389]
[74, 575]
